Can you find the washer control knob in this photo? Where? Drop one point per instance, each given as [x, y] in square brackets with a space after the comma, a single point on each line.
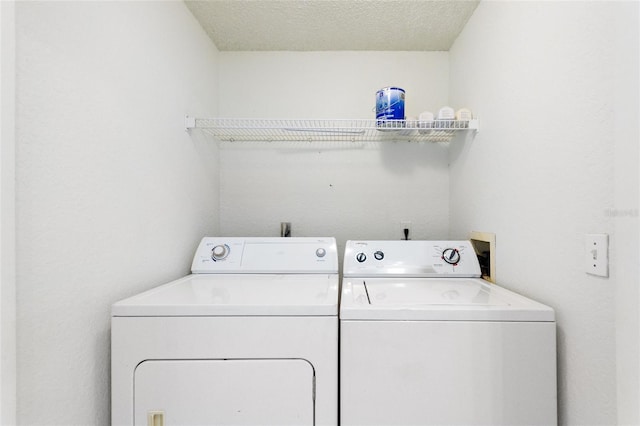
[220, 252]
[321, 252]
[361, 257]
[451, 256]
[379, 255]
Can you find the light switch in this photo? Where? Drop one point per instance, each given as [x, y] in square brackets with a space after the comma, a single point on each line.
[596, 256]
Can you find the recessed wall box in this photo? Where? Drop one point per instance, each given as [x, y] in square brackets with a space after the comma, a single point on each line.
[484, 244]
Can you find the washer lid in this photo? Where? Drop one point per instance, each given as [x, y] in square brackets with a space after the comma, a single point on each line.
[237, 295]
[434, 299]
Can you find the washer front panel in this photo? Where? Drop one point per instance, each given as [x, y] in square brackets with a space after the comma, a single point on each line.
[447, 373]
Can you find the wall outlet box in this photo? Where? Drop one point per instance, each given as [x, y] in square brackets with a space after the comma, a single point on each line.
[596, 254]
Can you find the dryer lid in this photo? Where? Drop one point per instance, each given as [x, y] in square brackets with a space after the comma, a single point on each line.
[237, 295]
[434, 299]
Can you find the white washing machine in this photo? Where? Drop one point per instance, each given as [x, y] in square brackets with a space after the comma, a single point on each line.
[249, 338]
[424, 341]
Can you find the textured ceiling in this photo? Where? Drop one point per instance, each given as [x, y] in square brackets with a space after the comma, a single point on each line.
[315, 25]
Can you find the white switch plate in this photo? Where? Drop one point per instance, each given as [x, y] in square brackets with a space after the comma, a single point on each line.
[596, 254]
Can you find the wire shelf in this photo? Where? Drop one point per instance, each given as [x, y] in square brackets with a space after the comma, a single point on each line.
[354, 130]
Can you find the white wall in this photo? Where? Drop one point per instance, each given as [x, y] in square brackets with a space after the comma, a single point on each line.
[7, 216]
[624, 214]
[546, 168]
[345, 190]
[112, 194]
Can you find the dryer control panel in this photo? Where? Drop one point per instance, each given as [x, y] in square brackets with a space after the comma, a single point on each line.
[410, 259]
[226, 255]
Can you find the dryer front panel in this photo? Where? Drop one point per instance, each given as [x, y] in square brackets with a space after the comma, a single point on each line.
[236, 392]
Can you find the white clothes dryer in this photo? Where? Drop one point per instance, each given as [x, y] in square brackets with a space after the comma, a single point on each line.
[249, 338]
[424, 341]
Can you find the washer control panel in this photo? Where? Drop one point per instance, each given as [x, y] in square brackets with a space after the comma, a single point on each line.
[410, 259]
[265, 255]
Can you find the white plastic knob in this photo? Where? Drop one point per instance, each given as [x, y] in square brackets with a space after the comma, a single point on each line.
[220, 251]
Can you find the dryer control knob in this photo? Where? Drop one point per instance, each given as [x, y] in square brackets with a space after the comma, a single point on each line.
[451, 256]
[220, 251]
[361, 257]
[321, 252]
[379, 255]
